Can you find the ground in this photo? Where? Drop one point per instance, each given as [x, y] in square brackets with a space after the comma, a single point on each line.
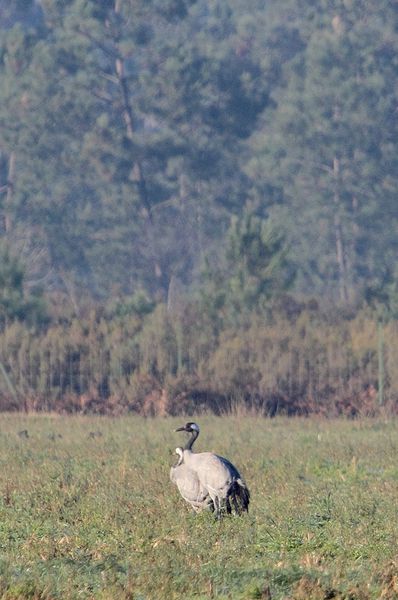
[87, 510]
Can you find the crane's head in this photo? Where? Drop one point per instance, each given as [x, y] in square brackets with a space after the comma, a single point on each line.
[189, 427]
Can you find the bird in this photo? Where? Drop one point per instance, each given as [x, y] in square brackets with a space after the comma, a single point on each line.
[189, 485]
[188, 482]
[217, 475]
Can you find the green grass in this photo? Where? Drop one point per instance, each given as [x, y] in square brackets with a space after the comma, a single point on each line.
[96, 517]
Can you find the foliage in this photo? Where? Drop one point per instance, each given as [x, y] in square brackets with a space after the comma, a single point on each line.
[15, 303]
[298, 360]
[324, 149]
[191, 188]
[132, 133]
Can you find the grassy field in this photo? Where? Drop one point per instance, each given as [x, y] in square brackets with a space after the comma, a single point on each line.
[87, 511]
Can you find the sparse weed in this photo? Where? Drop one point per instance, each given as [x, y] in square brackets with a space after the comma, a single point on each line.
[86, 516]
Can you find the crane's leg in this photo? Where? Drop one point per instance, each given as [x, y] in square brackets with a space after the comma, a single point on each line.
[217, 507]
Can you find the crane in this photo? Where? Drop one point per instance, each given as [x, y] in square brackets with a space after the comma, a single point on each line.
[189, 485]
[215, 474]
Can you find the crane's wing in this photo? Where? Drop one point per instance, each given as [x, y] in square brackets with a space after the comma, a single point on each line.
[215, 473]
[231, 468]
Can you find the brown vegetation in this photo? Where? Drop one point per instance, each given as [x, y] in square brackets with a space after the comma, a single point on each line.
[161, 365]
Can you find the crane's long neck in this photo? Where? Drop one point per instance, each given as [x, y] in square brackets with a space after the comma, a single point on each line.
[190, 442]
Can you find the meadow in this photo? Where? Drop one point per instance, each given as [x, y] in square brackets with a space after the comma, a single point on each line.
[87, 510]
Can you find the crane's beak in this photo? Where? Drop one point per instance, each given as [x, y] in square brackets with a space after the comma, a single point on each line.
[181, 429]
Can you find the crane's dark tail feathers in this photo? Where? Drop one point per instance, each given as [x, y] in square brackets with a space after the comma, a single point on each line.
[239, 495]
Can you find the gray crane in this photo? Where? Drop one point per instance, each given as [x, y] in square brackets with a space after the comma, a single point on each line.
[216, 475]
[189, 485]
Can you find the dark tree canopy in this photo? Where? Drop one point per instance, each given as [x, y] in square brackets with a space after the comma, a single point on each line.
[136, 136]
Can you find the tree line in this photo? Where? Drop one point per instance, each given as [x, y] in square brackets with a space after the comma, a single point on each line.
[295, 359]
[184, 183]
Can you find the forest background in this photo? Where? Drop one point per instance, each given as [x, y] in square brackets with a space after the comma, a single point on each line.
[198, 206]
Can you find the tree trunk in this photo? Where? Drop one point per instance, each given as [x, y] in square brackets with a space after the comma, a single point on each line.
[10, 192]
[137, 168]
[338, 234]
